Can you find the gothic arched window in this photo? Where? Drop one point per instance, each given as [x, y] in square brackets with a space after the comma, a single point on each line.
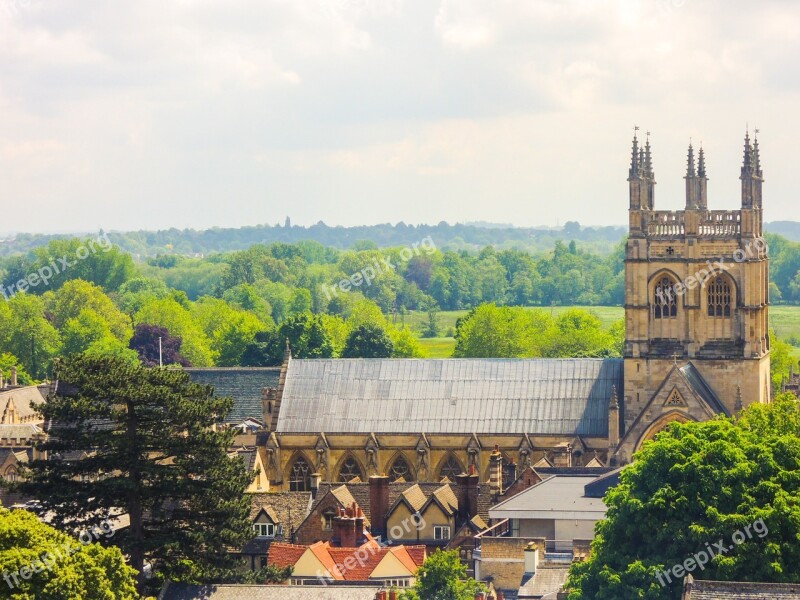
[719, 298]
[400, 470]
[665, 304]
[300, 477]
[350, 470]
[450, 469]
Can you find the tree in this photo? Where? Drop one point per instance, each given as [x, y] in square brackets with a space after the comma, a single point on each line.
[28, 335]
[431, 327]
[172, 314]
[76, 296]
[145, 343]
[307, 335]
[696, 484]
[7, 361]
[229, 329]
[443, 577]
[148, 434]
[368, 341]
[62, 568]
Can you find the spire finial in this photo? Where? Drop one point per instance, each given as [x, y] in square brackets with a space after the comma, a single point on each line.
[756, 154]
[747, 163]
[690, 172]
[738, 405]
[701, 164]
[634, 170]
[648, 161]
[613, 402]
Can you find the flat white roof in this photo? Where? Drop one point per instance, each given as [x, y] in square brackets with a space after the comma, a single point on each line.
[557, 497]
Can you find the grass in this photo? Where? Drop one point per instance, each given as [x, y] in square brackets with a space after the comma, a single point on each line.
[784, 320]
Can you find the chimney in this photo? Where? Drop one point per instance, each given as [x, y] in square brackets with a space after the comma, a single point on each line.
[13, 376]
[360, 537]
[496, 472]
[480, 596]
[378, 504]
[500, 595]
[531, 558]
[392, 594]
[315, 480]
[467, 494]
[381, 595]
[344, 529]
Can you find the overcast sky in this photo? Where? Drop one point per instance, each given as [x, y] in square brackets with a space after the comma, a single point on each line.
[199, 113]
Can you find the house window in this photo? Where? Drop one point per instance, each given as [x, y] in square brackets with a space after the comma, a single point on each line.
[264, 529]
[350, 470]
[664, 302]
[400, 470]
[328, 521]
[11, 474]
[719, 298]
[300, 478]
[441, 532]
[262, 562]
[450, 469]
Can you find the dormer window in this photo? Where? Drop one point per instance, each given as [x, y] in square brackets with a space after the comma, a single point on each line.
[264, 529]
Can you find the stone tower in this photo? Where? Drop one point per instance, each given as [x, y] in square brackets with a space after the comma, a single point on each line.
[696, 298]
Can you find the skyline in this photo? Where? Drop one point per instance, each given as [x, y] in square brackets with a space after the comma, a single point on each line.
[200, 114]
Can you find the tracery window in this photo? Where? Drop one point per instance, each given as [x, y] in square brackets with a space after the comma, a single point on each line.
[300, 478]
[400, 470]
[665, 304]
[450, 469]
[350, 470]
[719, 298]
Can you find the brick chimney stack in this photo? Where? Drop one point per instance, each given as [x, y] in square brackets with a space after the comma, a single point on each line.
[467, 494]
[378, 504]
[496, 472]
[344, 528]
[381, 595]
[393, 595]
[359, 519]
[14, 376]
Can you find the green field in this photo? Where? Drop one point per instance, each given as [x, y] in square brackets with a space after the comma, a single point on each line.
[785, 320]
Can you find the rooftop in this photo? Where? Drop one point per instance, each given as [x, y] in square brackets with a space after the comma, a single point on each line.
[698, 589]
[557, 497]
[243, 384]
[543, 396]
[182, 591]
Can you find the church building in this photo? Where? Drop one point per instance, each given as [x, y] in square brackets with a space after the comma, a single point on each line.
[697, 345]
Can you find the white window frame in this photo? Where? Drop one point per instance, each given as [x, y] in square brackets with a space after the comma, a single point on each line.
[264, 529]
[439, 532]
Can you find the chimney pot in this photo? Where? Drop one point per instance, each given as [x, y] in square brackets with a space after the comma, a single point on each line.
[392, 595]
[378, 503]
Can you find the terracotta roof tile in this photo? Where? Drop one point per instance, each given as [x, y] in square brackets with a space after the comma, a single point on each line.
[284, 555]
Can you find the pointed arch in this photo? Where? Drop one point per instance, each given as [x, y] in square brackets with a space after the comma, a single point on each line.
[674, 416]
[400, 468]
[720, 296]
[298, 472]
[449, 467]
[664, 299]
[349, 468]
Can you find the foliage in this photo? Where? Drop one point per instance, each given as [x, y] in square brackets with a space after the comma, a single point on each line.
[145, 342]
[62, 568]
[514, 332]
[781, 361]
[368, 341]
[8, 360]
[443, 577]
[148, 435]
[698, 483]
[28, 335]
[170, 313]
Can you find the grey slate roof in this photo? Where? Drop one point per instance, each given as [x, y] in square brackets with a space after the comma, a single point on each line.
[698, 589]
[243, 384]
[701, 387]
[557, 497]
[535, 396]
[182, 591]
[545, 583]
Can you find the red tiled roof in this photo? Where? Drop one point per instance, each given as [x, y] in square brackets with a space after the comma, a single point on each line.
[417, 554]
[284, 555]
[363, 561]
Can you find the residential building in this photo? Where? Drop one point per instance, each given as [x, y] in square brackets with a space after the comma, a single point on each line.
[699, 589]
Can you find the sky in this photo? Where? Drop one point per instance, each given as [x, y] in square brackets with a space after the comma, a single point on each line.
[153, 114]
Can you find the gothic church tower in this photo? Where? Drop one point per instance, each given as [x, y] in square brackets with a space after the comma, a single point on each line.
[696, 298]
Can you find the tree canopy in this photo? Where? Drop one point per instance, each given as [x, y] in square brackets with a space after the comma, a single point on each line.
[41, 563]
[697, 484]
[149, 449]
[443, 577]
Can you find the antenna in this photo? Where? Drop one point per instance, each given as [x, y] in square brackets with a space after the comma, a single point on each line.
[160, 362]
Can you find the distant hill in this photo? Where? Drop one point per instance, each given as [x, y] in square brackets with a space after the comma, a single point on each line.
[190, 242]
[788, 229]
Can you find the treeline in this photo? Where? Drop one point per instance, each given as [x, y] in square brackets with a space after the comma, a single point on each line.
[458, 236]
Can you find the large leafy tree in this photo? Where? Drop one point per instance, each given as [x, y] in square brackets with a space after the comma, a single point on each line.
[151, 451]
[368, 341]
[28, 335]
[695, 485]
[443, 577]
[62, 567]
[307, 337]
[174, 314]
[145, 342]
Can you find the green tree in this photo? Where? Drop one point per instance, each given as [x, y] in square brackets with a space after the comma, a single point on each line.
[28, 335]
[148, 433]
[229, 329]
[780, 361]
[63, 569]
[8, 360]
[76, 296]
[698, 483]
[443, 577]
[177, 319]
[368, 341]
[134, 293]
[491, 331]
